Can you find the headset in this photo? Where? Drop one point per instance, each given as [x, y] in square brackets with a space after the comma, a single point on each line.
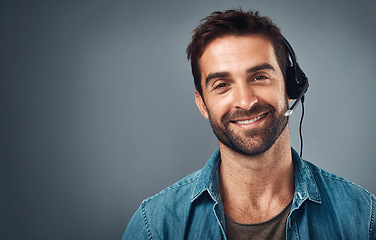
[296, 86]
[296, 80]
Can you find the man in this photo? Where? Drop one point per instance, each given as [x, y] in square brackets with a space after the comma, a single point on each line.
[255, 186]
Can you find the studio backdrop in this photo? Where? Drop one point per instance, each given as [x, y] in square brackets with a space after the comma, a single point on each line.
[97, 106]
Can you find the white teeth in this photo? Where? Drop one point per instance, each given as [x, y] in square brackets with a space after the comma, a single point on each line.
[251, 120]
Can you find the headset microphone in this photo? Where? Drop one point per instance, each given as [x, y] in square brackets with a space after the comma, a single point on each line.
[295, 104]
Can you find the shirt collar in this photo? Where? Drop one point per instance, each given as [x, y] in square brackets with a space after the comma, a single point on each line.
[208, 179]
[305, 184]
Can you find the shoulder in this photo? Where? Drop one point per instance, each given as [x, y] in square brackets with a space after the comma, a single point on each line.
[343, 195]
[340, 209]
[178, 192]
[336, 183]
[168, 206]
[168, 214]
[179, 189]
[345, 200]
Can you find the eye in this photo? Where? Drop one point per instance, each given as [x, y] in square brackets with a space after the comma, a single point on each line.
[260, 77]
[220, 85]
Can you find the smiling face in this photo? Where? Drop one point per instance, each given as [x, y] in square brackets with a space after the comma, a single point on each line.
[243, 93]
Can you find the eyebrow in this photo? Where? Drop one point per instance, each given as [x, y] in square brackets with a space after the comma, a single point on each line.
[250, 70]
[261, 67]
[216, 75]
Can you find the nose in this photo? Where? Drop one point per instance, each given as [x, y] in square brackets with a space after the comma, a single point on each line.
[244, 97]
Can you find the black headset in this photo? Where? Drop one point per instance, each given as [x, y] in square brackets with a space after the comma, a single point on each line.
[296, 86]
[296, 81]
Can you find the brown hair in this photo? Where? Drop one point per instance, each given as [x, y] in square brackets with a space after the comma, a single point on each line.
[238, 23]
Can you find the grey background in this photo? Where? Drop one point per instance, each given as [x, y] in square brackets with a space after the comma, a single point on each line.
[97, 108]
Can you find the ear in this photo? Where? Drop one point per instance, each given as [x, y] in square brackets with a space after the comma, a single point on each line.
[201, 105]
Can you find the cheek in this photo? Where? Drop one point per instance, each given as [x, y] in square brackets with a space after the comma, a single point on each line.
[278, 98]
[283, 101]
[218, 107]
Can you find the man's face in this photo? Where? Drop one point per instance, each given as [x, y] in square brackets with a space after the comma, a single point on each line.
[243, 93]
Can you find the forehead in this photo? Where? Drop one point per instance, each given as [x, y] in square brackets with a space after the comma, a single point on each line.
[237, 53]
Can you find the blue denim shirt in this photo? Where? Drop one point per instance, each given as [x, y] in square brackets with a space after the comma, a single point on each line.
[325, 206]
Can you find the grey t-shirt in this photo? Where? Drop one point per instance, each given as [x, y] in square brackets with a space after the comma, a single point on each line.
[274, 228]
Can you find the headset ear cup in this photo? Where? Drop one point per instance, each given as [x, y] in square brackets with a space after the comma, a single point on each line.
[301, 80]
[291, 87]
[296, 80]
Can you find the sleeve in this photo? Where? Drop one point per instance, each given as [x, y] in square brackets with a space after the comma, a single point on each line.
[136, 229]
[372, 229]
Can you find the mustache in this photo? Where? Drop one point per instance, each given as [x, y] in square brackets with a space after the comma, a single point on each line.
[255, 110]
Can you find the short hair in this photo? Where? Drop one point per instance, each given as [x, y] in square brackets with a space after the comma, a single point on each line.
[233, 23]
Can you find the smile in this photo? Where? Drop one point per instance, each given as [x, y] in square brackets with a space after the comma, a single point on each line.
[249, 121]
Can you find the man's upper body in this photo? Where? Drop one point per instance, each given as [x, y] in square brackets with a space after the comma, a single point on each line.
[244, 83]
[324, 206]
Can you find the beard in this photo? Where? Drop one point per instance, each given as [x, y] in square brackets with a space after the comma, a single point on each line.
[254, 141]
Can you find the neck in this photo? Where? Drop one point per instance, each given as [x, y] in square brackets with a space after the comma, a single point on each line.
[256, 188]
